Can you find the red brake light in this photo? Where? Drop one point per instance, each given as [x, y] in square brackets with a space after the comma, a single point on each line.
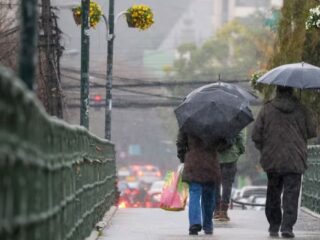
[97, 98]
[122, 204]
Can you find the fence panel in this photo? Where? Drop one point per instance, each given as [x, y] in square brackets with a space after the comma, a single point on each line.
[56, 180]
[311, 180]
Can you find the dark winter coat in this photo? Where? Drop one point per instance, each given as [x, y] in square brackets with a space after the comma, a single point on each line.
[281, 132]
[201, 164]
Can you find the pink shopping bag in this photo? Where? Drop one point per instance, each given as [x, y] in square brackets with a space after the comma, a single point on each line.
[175, 192]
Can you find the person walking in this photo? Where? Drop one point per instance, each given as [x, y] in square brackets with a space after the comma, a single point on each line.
[280, 134]
[201, 171]
[228, 166]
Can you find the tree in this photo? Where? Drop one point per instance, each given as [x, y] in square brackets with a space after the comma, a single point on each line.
[47, 80]
[295, 44]
[8, 35]
[238, 48]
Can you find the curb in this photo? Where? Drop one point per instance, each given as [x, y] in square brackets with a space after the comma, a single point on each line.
[308, 211]
[106, 220]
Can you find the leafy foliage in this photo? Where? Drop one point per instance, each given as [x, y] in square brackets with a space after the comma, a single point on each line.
[238, 48]
[95, 13]
[295, 44]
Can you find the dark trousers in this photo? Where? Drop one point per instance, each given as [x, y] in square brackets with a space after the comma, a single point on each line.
[228, 172]
[287, 184]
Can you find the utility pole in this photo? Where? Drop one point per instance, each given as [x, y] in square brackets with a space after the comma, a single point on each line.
[28, 36]
[109, 71]
[85, 43]
[49, 89]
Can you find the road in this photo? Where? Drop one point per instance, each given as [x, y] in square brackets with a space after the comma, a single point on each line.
[157, 224]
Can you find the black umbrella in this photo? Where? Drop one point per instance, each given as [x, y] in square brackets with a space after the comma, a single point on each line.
[228, 87]
[296, 75]
[213, 115]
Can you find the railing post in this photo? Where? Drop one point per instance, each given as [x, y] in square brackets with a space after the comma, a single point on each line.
[28, 36]
[85, 44]
[109, 71]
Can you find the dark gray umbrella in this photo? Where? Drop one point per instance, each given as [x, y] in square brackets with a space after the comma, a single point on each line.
[213, 115]
[296, 75]
[228, 87]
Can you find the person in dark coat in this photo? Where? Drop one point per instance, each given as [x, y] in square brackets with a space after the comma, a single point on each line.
[201, 171]
[280, 134]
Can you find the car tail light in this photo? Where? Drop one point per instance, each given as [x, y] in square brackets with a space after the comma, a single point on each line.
[149, 167]
[148, 204]
[122, 204]
[158, 174]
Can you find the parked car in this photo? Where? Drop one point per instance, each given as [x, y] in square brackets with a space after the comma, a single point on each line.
[259, 200]
[156, 187]
[130, 195]
[248, 191]
[248, 196]
[152, 199]
[123, 173]
[149, 174]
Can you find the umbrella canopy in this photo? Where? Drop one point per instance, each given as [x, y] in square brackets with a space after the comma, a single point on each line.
[213, 115]
[296, 75]
[228, 87]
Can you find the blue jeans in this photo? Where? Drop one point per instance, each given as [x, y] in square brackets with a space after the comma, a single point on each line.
[201, 203]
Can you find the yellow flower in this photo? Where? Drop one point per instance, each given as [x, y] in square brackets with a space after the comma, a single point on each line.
[141, 16]
[95, 13]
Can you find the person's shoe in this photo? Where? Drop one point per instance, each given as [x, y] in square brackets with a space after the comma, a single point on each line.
[224, 216]
[274, 234]
[216, 215]
[208, 232]
[224, 213]
[194, 229]
[287, 234]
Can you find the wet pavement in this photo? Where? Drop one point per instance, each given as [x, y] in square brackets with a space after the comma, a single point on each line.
[157, 224]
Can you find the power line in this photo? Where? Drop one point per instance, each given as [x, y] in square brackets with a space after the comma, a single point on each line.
[149, 94]
[158, 84]
[136, 104]
[147, 79]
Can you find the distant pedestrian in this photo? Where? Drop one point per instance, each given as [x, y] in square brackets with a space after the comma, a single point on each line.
[228, 166]
[280, 133]
[201, 171]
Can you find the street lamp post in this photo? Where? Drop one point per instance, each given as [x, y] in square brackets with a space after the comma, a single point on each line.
[85, 43]
[27, 59]
[110, 25]
[109, 70]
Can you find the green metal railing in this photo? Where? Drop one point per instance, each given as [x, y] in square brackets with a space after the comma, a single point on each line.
[56, 180]
[311, 180]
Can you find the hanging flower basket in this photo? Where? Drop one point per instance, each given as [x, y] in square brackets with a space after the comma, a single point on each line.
[95, 14]
[129, 20]
[313, 20]
[76, 16]
[139, 16]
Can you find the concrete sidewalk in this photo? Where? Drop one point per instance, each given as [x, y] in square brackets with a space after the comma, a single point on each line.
[157, 224]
